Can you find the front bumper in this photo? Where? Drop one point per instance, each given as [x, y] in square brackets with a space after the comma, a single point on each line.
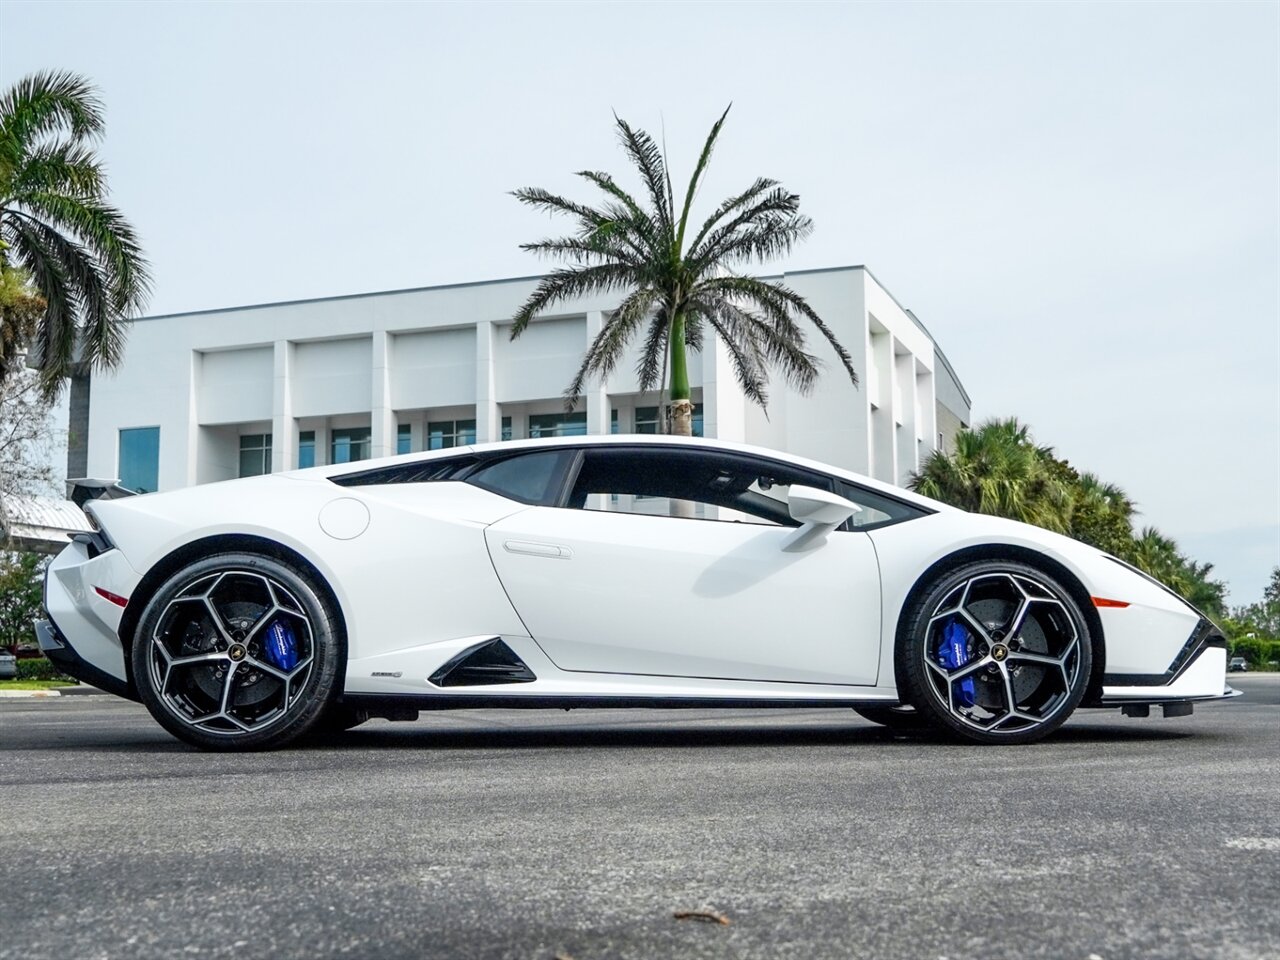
[1198, 673]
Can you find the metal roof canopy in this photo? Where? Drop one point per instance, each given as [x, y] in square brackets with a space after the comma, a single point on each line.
[40, 524]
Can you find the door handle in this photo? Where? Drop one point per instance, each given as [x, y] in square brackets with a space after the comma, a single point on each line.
[533, 549]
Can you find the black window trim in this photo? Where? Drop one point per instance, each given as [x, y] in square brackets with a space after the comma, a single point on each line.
[915, 511]
[411, 473]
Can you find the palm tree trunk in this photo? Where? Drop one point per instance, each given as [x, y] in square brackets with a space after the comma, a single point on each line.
[681, 405]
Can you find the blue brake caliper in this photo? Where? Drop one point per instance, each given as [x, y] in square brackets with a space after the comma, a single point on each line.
[281, 647]
[953, 654]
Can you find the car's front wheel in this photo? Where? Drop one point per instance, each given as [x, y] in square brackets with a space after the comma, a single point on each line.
[995, 652]
[237, 651]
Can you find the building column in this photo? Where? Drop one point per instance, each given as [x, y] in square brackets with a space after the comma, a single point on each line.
[284, 429]
[724, 407]
[597, 392]
[382, 417]
[191, 445]
[488, 423]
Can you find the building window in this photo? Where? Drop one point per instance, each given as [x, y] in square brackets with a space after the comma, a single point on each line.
[647, 420]
[347, 446]
[613, 421]
[404, 438]
[255, 454]
[506, 428]
[140, 459]
[450, 433]
[558, 425]
[306, 449]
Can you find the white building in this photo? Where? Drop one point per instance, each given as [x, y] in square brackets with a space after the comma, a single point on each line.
[217, 394]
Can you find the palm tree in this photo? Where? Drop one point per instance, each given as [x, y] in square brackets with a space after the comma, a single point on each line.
[997, 469]
[676, 282]
[1101, 514]
[79, 252]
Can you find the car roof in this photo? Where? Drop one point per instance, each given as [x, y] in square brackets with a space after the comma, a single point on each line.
[626, 440]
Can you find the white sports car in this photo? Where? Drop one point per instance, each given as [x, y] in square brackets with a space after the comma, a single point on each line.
[605, 571]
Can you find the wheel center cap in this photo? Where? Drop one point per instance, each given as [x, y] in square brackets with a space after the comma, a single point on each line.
[237, 652]
[999, 652]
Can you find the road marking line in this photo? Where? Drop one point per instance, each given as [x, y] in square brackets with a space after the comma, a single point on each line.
[1255, 843]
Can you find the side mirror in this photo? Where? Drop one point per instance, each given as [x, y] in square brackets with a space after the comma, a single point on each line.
[818, 513]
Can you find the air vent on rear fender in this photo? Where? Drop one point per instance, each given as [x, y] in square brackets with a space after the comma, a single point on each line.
[485, 663]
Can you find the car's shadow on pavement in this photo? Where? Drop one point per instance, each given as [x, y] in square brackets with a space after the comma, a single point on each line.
[678, 736]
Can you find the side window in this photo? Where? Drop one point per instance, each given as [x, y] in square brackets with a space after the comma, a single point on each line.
[535, 478]
[877, 509]
[658, 481]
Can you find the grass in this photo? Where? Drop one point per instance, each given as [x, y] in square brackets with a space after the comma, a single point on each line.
[35, 684]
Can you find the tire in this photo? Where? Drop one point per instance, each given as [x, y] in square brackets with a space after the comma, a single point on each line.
[238, 651]
[995, 652]
[904, 718]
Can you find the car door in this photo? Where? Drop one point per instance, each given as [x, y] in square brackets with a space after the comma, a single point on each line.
[611, 582]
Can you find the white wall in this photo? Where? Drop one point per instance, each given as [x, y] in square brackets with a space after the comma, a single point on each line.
[410, 356]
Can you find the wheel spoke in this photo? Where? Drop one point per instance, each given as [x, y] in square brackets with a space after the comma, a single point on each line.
[227, 683]
[1035, 658]
[1010, 701]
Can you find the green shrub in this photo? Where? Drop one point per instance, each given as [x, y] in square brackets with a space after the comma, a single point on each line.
[38, 668]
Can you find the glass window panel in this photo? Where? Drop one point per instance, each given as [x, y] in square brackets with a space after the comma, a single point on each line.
[532, 478]
[350, 445]
[506, 428]
[306, 449]
[140, 459]
[558, 424]
[404, 438]
[255, 454]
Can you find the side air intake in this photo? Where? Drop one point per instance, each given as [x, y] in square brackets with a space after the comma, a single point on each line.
[485, 663]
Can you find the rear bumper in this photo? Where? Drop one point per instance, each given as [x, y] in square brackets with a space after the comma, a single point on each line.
[55, 646]
[82, 631]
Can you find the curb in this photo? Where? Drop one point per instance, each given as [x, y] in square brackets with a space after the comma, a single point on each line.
[84, 690]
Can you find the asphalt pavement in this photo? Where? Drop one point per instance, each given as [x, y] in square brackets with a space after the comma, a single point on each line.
[537, 834]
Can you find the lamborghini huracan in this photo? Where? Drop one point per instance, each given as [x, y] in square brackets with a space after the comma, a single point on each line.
[619, 571]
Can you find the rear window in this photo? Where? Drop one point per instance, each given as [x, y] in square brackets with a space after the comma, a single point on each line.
[535, 478]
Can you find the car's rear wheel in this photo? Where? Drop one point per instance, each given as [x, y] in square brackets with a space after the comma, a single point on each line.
[237, 652]
[995, 652]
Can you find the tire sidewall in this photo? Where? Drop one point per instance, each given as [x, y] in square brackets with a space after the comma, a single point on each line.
[910, 652]
[327, 645]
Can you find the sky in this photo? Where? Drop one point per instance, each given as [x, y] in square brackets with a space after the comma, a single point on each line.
[1081, 201]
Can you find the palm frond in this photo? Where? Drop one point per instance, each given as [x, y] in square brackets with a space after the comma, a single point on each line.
[744, 351]
[699, 168]
[69, 168]
[652, 358]
[55, 339]
[606, 349]
[566, 284]
[103, 229]
[48, 102]
[776, 207]
[779, 300]
[644, 153]
[729, 206]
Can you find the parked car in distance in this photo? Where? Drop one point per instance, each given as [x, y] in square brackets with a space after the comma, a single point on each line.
[8, 666]
[1238, 665]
